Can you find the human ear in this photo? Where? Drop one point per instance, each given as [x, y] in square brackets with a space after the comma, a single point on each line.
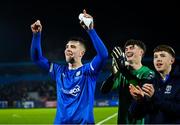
[142, 52]
[82, 53]
[172, 60]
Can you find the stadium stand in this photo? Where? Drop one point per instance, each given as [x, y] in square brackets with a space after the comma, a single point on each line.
[23, 85]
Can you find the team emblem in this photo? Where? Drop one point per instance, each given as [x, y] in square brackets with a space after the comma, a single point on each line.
[78, 73]
[168, 89]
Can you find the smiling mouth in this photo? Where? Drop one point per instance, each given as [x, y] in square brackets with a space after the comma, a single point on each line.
[69, 54]
[129, 55]
[159, 64]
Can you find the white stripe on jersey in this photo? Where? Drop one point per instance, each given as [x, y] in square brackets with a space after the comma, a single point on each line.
[91, 66]
[51, 67]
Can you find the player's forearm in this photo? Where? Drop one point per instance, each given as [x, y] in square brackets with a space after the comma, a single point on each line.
[99, 46]
[36, 52]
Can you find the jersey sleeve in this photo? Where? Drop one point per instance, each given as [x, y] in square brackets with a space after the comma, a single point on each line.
[149, 77]
[36, 52]
[102, 54]
[118, 81]
[54, 68]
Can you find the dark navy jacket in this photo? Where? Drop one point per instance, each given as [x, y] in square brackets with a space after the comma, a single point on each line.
[164, 106]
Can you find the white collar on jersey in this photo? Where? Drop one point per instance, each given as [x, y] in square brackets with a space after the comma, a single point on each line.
[71, 68]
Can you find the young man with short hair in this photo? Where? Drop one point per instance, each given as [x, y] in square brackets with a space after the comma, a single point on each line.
[75, 81]
[163, 103]
[127, 70]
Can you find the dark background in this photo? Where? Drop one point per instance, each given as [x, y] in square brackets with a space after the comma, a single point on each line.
[115, 21]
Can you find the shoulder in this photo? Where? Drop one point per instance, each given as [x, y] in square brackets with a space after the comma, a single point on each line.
[148, 70]
[149, 73]
[87, 66]
[56, 66]
[175, 78]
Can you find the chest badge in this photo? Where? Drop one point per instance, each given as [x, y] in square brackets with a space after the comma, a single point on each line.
[78, 73]
[168, 89]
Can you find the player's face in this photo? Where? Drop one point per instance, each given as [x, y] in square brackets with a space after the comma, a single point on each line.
[162, 61]
[133, 53]
[73, 52]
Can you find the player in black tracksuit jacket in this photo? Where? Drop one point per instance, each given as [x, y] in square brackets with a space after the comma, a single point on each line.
[163, 107]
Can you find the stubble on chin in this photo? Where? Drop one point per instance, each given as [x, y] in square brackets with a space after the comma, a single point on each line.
[70, 60]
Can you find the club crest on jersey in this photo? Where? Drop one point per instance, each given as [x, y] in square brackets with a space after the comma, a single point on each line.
[168, 89]
[78, 73]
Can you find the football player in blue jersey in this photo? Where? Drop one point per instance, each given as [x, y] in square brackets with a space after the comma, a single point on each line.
[75, 81]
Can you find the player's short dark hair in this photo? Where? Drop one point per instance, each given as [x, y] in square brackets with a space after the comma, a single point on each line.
[165, 48]
[139, 43]
[78, 39]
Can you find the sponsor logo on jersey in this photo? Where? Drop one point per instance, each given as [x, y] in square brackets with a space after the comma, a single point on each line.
[74, 91]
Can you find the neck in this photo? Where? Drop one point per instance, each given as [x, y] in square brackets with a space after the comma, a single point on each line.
[135, 66]
[165, 73]
[75, 65]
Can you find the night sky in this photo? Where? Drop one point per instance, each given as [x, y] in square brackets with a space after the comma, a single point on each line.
[115, 22]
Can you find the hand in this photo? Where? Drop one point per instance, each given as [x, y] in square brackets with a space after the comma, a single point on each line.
[136, 92]
[36, 27]
[148, 90]
[86, 20]
[114, 66]
[119, 57]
